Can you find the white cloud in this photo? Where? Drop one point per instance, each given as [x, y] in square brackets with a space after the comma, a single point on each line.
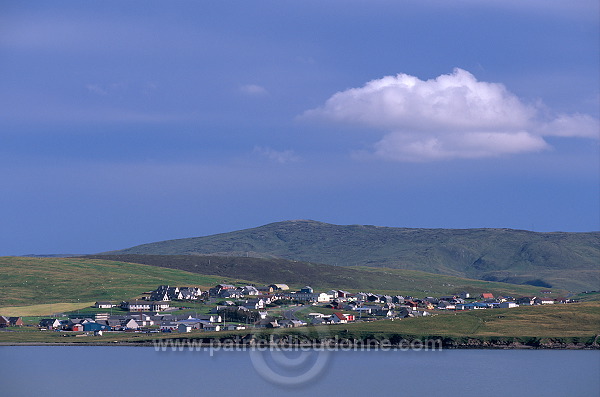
[577, 125]
[451, 116]
[96, 89]
[253, 89]
[403, 147]
[281, 157]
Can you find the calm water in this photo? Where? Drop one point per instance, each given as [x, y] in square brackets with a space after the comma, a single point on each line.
[135, 371]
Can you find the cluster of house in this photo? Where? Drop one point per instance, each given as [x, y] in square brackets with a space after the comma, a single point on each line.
[10, 321]
[155, 314]
[131, 322]
[166, 293]
[464, 301]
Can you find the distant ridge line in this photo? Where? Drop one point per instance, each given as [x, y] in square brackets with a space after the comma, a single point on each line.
[563, 259]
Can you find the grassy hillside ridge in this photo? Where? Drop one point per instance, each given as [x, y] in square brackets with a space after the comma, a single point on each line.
[323, 277]
[560, 259]
[45, 281]
[32, 281]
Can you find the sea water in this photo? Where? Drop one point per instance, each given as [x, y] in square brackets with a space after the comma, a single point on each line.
[139, 371]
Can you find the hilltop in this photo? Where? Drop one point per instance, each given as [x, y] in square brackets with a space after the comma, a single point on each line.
[557, 259]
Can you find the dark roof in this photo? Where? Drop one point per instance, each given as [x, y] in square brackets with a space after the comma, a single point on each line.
[139, 302]
[47, 321]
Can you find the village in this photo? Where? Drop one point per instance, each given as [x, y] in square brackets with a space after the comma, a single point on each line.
[227, 307]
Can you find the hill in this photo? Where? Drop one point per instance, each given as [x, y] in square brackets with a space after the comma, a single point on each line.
[75, 282]
[324, 277]
[31, 281]
[558, 259]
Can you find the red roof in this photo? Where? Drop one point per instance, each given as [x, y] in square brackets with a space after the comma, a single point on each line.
[487, 295]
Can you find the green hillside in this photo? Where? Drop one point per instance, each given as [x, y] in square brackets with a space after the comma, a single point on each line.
[324, 277]
[558, 259]
[31, 281]
[35, 281]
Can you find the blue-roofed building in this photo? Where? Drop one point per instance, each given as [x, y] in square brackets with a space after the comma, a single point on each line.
[87, 327]
[472, 306]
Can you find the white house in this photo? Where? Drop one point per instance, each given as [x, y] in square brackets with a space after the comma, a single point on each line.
[544, 301]
[255, 304]
[190, 293]
[366, 310]
[211, 318]
[309, 297]
[130, 324]
[445, 305]
[160, 295]
[104, 305]
[233, 327]
[211, 327]
[50, 323]
[507, 305]
[136, 306]
[420, 313]
[159, 306]
[143, 319]
[250, 290]
[338, 318]
[361, 297]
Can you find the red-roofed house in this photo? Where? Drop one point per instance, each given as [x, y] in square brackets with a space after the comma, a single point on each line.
[411, 303]
[487, 295]
[16, 321]
[338, 318]
[10, 321]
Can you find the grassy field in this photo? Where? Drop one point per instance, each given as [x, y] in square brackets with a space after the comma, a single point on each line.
[43, 309]
[571, 320]
[325, 277]
[42, 281]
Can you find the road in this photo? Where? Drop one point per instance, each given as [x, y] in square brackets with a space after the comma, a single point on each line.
[290, 312]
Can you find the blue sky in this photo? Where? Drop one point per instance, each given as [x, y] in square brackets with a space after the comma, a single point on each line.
[125, 122]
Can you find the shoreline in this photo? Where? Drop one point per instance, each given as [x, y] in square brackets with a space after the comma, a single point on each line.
[347, 347]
